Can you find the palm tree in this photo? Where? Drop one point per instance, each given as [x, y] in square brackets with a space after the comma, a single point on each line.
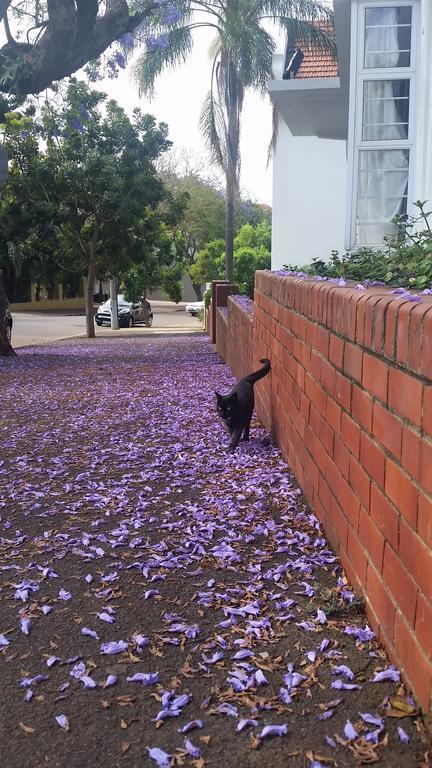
[241, 54]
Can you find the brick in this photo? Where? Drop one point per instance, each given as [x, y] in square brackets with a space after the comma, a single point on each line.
[401, 585]
[341, 457]
[326, 435]
[380, 601]
[322, 340]
[350, 433]
[362, 407]
[417, 558]
[426, 464]
[405, 395]
[373, 459]
[416, 336]
[401, 491]
[387, 428]
[385, 516]
[424, 519]
[413, 661]
[411, 447]
[391, 329]
[426, 354]
[427, 409]
[336, 351]
[358, 557]
[403, 340]
[333, 415]
[371, 538]
[375, 376]
[423, 624]
[353, 361]
[380, 313]
[342, 393]
[328, 376]
[360, 482]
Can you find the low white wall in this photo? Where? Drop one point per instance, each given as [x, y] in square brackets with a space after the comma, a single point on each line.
[309, 192]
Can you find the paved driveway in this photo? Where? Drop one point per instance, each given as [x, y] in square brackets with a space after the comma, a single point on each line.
[40, 327]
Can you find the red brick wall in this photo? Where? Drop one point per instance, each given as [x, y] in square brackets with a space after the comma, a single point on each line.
[234, 337]
[349, 401]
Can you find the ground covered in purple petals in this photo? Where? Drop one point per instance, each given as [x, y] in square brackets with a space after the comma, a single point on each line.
[164, 603]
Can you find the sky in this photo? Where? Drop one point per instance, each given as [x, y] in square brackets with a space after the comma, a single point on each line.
[179, 95]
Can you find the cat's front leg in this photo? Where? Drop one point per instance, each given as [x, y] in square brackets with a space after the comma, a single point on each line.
[235, 439]
[246, 432]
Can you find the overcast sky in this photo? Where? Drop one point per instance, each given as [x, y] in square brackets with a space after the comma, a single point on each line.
[179, 95]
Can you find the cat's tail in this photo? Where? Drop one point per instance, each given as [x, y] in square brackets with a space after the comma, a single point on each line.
[253, 377]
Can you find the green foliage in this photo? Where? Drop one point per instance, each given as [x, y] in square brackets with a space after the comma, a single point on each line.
[252, 251]
[406, 259]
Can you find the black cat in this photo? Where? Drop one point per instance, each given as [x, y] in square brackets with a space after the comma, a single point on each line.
[236, 408]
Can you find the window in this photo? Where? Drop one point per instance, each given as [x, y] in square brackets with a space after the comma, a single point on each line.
[383, 134]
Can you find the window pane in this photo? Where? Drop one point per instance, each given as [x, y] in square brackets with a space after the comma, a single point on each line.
[381, 193]
[385, 110]
[388, 37]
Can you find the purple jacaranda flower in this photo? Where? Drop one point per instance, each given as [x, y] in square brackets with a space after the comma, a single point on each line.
[62, 721]
[359, 287]
[309, 591]
[217, 656]
[150, 593]
[180, 701]
[260, 678]
[403, 736]
[343, 670]
[114, 647]
[46, 609]
[285, 696]
[27, 682]
[192, 725]
[120, 59]
[26, 626]
[3, 641]
[193, 751]
[78, 670]
[163, 714]
[391, 673]
[88, 682]
[326, 715]
[29, 695]
[331, 742]
[146, 678]
[52, 660]
[311, 656]
[293, 679]
[372, 719]
[127, 40]
[321, 617]
[77, 124]
[106, 617]
[141, 641]
[227, 709]
[161, 758]
[64, 594]
[306, 625]
[88, 578]
[89, 633]
[244, 654]
[324, 645]
[273, 730]
[111, 680]
[363, 635]
[349, 731]
[85, 114]
[339, 685]
[246, 723]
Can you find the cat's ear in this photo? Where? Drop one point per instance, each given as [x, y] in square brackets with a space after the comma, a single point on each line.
[219, 397]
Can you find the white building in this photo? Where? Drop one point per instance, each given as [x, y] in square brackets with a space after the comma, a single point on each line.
[355, 144]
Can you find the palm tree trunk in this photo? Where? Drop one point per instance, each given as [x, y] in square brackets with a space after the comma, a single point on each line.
[229, 227]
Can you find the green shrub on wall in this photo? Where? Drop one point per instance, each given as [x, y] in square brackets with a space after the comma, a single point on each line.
[405, 260]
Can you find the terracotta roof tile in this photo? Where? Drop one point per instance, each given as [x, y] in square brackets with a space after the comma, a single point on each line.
[317, 63]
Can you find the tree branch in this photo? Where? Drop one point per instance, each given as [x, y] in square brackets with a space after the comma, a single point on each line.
[73, 36]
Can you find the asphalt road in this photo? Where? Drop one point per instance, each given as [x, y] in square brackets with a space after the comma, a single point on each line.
[39, 327]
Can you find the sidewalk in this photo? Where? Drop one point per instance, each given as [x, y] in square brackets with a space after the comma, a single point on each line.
[163, 602]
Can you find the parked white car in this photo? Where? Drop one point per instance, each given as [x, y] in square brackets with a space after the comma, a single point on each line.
[194, 307]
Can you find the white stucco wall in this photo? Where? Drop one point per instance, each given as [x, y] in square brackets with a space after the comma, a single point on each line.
[309, 191]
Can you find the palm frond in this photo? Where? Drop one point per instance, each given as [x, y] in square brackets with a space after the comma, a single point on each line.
[210, 125]
[311, 10]
[275, 135]
[154, 60]
[301, 32]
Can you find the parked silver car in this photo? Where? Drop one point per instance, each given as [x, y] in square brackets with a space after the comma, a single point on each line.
[129, 313]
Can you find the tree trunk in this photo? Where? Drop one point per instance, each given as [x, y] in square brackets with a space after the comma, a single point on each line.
[91, 277]
[229, 228]
[5, 348]
[198, 291]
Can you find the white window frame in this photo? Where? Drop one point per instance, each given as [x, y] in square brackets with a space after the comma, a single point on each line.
[359, 74]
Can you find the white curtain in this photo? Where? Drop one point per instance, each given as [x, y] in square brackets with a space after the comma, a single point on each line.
[382, 174]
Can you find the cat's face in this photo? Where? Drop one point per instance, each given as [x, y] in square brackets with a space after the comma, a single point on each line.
[226, 405]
